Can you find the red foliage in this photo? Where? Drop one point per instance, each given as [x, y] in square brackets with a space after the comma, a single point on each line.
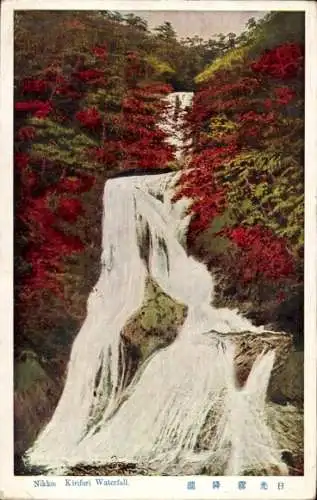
[65, 244]
[69, 209]
[26, 133]
[280, 297]
[284, 95]
[268, 103]
[89, 75]
[133, 131]
[262, 118]
[46, 261]
[153, 89]
[139, 142]
[132, 56]
[147, 121]
[21, 160]
[239, 98]
[76, 184]
[40, 108]
[100, 52]
[89, 117]
[51, 244]
[262, 253]
[30, 180]
[199, 184]
[238, 88]
[132, 104]
[283, 62]
[67, 90]
[131, 139]
[35, 86]
[44, 110]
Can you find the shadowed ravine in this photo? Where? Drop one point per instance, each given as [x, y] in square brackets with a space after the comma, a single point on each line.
[194, 403]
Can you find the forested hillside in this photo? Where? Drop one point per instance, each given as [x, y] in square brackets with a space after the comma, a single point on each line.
[89, 90]
[247, 172]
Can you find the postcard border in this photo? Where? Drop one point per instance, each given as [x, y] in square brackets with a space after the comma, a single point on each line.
[21, 487]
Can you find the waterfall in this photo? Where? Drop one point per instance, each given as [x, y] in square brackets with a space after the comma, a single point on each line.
[157, 419]
[173, 123]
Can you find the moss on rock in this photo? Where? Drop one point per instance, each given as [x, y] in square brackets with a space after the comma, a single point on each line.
[156, 323]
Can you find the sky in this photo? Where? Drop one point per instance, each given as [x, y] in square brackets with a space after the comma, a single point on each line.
[204, 24]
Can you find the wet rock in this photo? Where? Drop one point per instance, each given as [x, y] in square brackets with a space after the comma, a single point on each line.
[287, 379]
[287, 424]
[111, 469]
[36, 394]
[21, 468]
[249, 345]
[156, 323]
[132, 360]
[288, 384]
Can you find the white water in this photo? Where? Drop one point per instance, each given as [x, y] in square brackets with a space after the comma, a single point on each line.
[157, 419]
[174, 121]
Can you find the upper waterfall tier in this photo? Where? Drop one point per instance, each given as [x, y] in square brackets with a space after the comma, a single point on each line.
[173, 122]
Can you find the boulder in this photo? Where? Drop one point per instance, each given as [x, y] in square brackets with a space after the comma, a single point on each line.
[249, 345]
[154, 326]
[288, 384]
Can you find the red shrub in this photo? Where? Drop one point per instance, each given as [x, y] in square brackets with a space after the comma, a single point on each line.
[89, 75]
[36, 106]
[284, 95]
[283, 62]
[76, 184]
[30, 180]
[100, 52]
[262, 253]
[66, 90]
[21, 160]
[89, 117]
[36, 86]
[26, 133]
[69, 209]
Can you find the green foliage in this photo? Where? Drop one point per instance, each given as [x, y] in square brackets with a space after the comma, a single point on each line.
[274, 29]
[166, 32]
[63, 145]
[265, 188]
[160, 67]
[233, 58]
[111, 99]
[266, 33]
[221, 126]
[211, 243]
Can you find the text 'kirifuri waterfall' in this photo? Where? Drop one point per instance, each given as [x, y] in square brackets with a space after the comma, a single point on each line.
[156, 420]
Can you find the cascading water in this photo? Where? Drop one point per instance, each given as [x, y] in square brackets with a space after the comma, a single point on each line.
[157, 419]
[173, 122]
